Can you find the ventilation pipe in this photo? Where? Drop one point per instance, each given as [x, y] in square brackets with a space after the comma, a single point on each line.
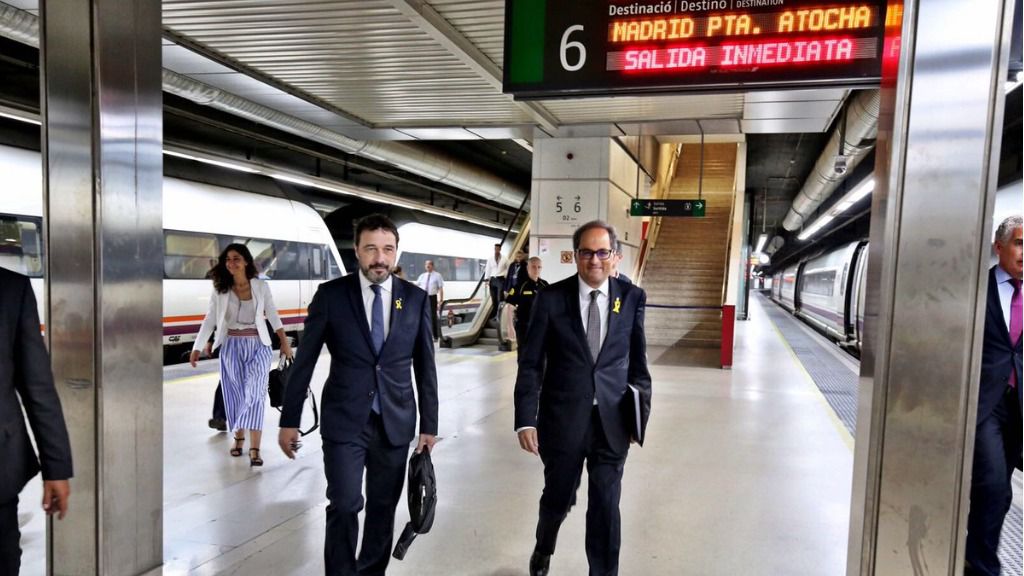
[23, 27]
[858, 138]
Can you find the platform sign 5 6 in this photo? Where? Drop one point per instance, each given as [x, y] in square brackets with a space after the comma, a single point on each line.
[564, 48]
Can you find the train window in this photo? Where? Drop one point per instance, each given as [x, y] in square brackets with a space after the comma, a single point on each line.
[333, 271]
[21, 245]
[451, 268]
[820, 283]
[316, 262]
[189, 255]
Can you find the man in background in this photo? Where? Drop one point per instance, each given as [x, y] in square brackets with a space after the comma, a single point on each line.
[523, 296]
[516, 272]
[997, 439]
[494, 273]
[432, 283]
[25, 374]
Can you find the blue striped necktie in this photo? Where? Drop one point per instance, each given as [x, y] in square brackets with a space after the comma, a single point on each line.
[377, 335]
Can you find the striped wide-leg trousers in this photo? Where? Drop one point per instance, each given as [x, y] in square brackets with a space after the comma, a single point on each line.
[244, 365]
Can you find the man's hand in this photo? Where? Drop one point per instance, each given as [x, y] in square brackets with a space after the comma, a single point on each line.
[528, 441]
[427, 441]
[193, 357]
[288, 440]
[55, 497]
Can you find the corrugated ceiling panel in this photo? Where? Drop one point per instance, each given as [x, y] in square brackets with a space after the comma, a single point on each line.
[481, 22]
[647, 108]
[362, 56]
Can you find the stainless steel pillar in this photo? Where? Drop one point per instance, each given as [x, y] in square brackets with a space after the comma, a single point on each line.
[102, 108]
[937, 156]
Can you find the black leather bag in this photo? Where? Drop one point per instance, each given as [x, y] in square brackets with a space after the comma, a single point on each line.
[422, 494]
[277, 385]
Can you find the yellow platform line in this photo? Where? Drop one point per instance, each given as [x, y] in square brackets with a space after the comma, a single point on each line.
[844, 434]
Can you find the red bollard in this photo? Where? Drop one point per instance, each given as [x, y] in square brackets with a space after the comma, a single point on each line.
[728, 330]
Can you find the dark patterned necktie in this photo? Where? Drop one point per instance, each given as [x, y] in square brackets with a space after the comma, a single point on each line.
[594, 326]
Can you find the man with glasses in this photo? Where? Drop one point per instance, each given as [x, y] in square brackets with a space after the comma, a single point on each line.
[585, 350]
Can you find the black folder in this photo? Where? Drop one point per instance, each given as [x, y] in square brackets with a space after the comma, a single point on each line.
[635, 413]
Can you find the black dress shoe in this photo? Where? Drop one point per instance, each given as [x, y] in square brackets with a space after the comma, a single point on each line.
[218, 424]
[539, 564]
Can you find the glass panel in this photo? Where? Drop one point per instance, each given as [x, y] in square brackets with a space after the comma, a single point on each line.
[188, 255]
[263, 255]
[21, 246]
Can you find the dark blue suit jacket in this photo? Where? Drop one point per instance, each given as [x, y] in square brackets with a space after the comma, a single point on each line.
[558, 379]
[25, 373]
[999, 357]
[337, 317]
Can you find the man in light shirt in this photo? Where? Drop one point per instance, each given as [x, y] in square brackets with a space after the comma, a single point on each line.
[433, 284]
[494, 272]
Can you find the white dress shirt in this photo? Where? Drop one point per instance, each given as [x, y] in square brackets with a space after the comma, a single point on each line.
[496, 268]
[385, 296]
[1005, 286]
[431, 282]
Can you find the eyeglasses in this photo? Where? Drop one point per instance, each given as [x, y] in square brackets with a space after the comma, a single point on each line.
[601, 254]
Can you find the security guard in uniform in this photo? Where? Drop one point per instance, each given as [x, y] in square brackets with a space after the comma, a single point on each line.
[522, 297]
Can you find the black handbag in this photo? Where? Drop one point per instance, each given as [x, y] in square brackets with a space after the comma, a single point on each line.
[277, 385]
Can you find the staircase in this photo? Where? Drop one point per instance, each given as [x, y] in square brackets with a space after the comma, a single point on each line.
[687, 266]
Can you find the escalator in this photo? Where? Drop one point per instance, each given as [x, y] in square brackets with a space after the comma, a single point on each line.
[476, 325]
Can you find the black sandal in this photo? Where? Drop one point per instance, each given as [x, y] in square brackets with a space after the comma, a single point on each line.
[236, 451]
[255, 461]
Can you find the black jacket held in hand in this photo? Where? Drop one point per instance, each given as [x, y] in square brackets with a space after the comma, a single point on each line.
[25, 373]
[337, 318]
[558, 379]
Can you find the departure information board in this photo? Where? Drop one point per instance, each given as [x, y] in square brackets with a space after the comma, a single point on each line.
[566, 48]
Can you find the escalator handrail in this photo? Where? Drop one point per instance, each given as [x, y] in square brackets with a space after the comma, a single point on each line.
[508, 231]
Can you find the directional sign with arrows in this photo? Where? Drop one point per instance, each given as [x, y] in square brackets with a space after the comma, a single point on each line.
[692, 208]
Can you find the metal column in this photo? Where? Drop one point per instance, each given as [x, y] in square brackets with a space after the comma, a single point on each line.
[938, 145]
[102, 111]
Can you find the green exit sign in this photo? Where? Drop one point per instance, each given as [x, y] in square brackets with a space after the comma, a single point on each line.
[690, 208]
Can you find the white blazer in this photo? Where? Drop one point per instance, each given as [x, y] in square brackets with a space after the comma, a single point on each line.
[217, 314]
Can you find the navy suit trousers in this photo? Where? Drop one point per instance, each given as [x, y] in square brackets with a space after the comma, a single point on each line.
[562, 475]
[385, 469]
[10, 539]
[997, 447]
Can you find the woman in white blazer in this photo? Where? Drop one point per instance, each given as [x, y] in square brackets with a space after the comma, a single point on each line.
[238, 305]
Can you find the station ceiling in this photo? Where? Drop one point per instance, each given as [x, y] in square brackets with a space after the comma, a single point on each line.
[429, 71]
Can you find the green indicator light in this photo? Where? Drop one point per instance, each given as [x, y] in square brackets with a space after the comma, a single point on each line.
[527, 37]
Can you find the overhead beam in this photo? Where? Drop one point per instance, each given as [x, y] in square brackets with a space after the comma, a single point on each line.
[438, 28]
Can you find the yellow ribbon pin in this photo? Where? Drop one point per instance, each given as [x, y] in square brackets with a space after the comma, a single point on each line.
[398, 304]
[617, 305]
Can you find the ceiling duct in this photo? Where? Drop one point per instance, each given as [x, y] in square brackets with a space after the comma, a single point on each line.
[24, 27]
[857, 138]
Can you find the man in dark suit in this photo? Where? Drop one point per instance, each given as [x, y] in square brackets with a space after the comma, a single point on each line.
[378, 330]
[25, 373]
[997, 438]
[584, 346]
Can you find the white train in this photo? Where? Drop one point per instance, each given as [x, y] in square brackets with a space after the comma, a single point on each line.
[827, 292]
[289, 241]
